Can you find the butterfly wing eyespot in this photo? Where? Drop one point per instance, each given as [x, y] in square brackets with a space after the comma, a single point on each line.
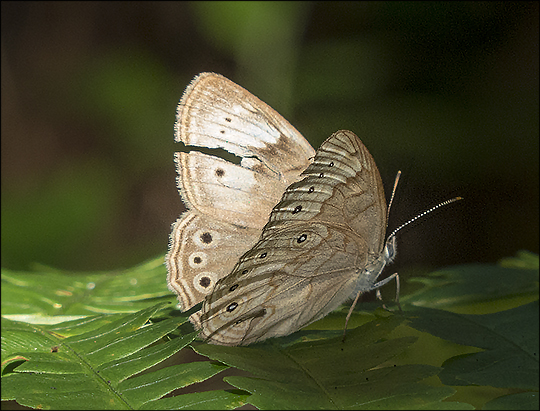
[302, 238]
[205, 238]
[204, 281]
[231, 307]
[198, 259]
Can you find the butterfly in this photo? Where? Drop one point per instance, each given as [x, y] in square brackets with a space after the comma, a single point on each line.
[324, 241]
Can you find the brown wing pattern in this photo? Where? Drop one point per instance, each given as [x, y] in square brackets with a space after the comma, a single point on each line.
[307, 260]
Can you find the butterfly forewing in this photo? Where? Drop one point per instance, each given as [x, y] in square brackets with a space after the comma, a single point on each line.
[217, 113]
[286, 287]
[226, 191]
[342, 186]
[310, 253]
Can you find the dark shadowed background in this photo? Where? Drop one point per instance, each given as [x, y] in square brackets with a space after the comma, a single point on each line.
[447, 92]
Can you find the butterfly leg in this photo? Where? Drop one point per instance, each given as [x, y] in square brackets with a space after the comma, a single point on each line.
[377, 287]
[350, 312]
[379, 297]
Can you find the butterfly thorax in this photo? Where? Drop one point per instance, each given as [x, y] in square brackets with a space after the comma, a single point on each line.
[368, 275]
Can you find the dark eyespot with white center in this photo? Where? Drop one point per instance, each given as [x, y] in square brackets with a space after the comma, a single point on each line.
[234, 287]
[197, 260]
[302, 238]
[297, 209]
[231, 307]
[311, 189]
[321, 175]
[331, 164]
[263, 255]
[245, 271]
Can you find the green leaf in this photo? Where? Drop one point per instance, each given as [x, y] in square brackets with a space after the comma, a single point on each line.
[332, 374]
[207, 400]
[117, 359]
[107, 365]
[460, 286]
[524, 259]
[510, 339]
[521, 401]
[51, 292]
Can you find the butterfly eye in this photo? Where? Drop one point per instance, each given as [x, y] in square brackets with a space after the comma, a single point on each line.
[297, 209]
[302, 238]
[231, 307]
[263, 255]
[234, 287]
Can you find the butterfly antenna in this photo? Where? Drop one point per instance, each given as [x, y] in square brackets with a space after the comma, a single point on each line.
[422, 214]
[396, 181]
